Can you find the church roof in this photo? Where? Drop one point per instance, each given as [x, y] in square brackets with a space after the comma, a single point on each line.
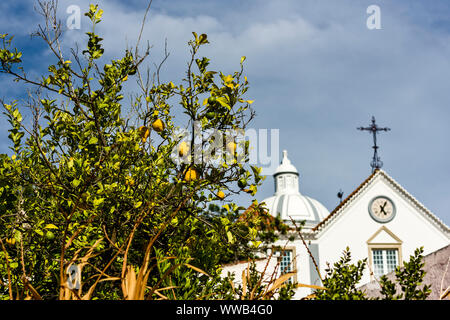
[297, 206]
[344, 202]
[378, 172]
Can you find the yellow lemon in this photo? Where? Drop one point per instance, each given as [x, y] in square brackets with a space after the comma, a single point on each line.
[220, 195]
[158, 125]
[191, 175]
[11, 241]
[144, 132]
[183, 149]
[231, 147]
[129, 182]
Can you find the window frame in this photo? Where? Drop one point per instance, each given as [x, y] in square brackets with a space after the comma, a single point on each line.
[384, 260]
[383, 246]
[292, 249]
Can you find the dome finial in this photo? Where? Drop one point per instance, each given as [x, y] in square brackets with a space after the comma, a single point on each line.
[286, 165]
[285, 159]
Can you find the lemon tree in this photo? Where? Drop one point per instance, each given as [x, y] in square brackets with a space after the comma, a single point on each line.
[87, 185]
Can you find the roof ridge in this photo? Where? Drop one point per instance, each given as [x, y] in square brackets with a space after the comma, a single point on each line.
[342, 204]
[416, 202]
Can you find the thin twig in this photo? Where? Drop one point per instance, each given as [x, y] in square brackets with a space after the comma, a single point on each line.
[142, 28]
[306, 246]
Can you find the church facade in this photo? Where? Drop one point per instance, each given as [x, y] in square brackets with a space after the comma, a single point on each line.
[379, 221]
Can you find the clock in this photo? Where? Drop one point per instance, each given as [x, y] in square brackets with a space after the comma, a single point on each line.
[382, 209]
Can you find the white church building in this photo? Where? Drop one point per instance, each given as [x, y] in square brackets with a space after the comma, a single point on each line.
[379, 220]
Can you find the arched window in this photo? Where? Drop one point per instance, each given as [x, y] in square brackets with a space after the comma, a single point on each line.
[281, 183]
[290, 181]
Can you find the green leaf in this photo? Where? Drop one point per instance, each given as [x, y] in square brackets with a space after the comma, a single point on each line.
[223, 102]
[75, 183]
[93, 140]
[203, 39]
[99, 14]
[70, 163]
[230, 237]
[98, 202]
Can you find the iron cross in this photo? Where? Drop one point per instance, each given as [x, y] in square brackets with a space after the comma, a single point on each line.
[374, 129]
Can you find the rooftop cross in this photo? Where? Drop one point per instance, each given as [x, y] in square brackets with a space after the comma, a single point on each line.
[374, 129]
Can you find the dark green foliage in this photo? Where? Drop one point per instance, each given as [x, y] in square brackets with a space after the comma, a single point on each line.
[409, 278]
[341, 280]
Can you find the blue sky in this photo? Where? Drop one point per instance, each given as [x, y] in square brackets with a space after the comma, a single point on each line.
[316, 73]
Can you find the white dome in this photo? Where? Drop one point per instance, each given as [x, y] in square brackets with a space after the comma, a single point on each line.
[289, 202]
[297, 206]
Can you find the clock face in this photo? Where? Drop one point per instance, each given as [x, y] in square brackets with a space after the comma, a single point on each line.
[382, 209]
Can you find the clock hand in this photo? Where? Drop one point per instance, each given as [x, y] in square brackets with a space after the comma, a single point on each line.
[382, 208]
